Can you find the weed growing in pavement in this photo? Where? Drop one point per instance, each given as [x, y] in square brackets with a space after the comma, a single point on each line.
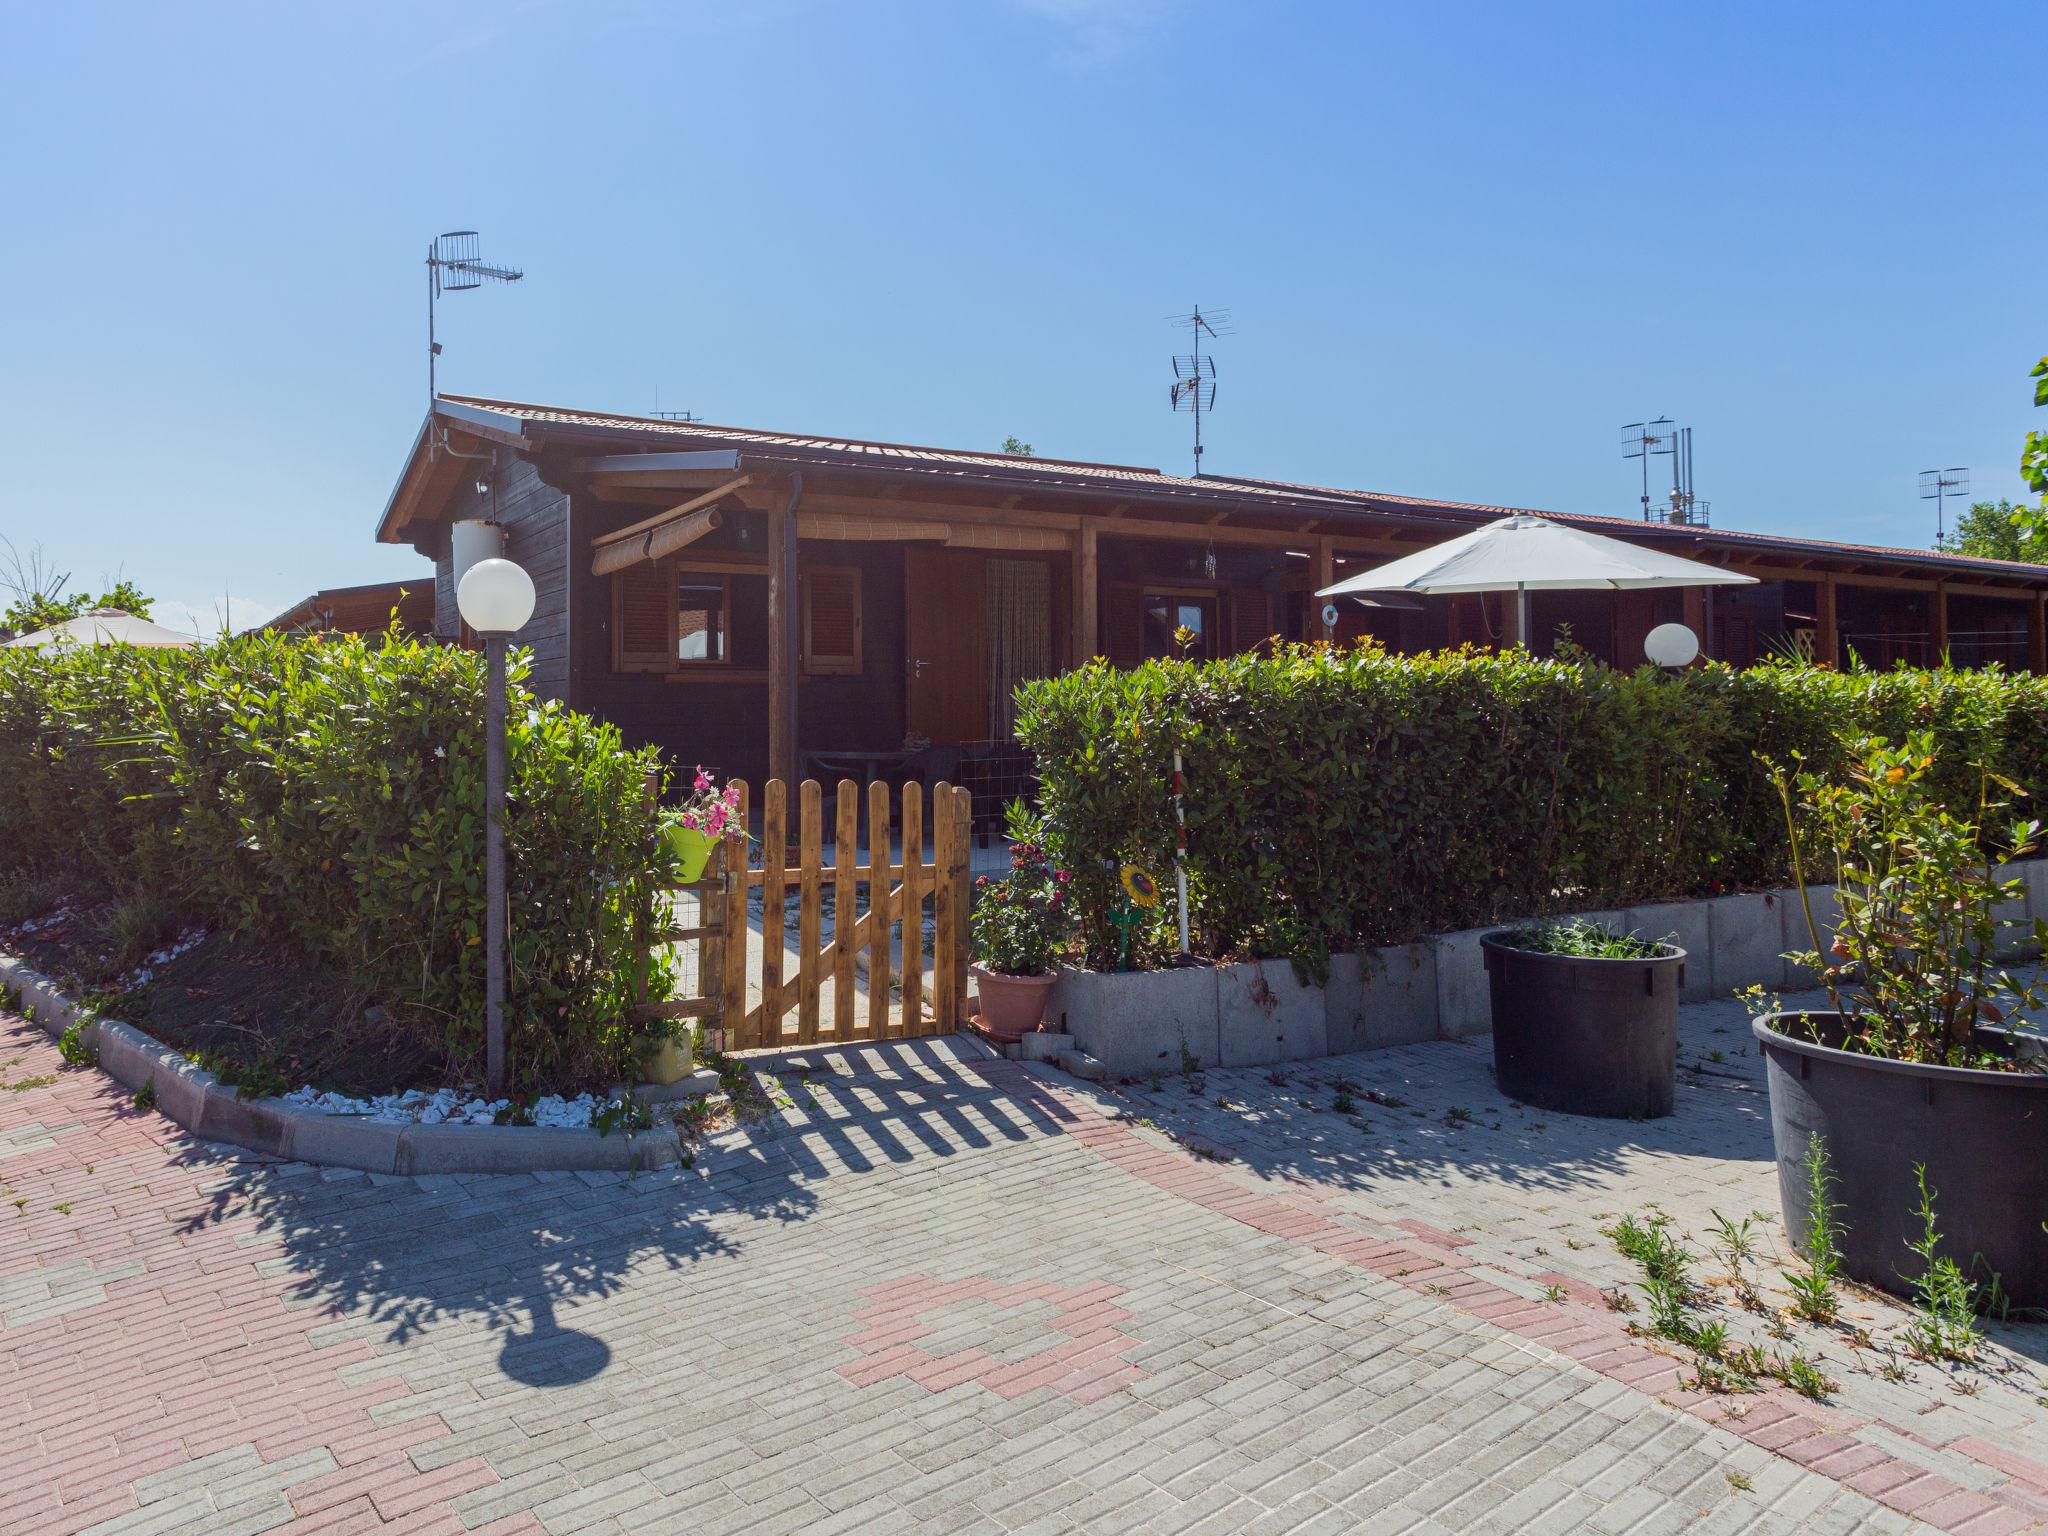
[1739, 1481]
[1343, 1103]
[62, 1207]
[72, 1047]
[29, 1082]
[1945, 1328]
[1813, 1287]
[1554, 1293]
[1649, 1244]
[624, 1113]
[1802, 1376]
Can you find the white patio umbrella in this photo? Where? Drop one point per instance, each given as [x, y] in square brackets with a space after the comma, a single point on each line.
[105, 626]
[1523, 553]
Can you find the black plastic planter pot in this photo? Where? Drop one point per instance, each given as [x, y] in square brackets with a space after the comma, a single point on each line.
[1585, 1037]
[1982, 1135]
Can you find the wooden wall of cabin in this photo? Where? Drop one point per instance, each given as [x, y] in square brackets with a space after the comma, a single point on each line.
[720, 718]
[536, 519]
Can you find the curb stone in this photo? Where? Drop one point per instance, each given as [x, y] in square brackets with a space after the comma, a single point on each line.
[192, 1097]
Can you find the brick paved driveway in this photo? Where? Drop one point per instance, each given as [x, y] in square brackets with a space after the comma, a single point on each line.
[944, 1295]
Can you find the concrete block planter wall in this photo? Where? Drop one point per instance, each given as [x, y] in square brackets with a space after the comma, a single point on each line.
[1264, 1014]
[194, 1099]
[1746, 940]
[1136, 1023]
[1463, 1007]
[1387, 997]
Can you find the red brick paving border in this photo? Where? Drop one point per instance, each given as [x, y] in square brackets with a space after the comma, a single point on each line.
[1425, 1259]
[1088, 1366]
[197, 1354]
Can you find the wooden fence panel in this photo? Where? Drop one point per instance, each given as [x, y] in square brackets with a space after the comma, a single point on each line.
[898, 1000]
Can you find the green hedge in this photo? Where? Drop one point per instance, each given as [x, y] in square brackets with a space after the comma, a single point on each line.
[326, 797]
[1339, 799]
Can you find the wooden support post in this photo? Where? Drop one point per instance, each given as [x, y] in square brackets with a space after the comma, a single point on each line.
[810, 901]
[1937, 624]
[1827, 629]
[2037, 634]
[1326, 576]
[1696, 618]
[912, 909]
[1087, 586]
[732, 982]
[774, 849]
[948, 919]
[783, 649]
[956, 876]
[880, 939]
[845, 855]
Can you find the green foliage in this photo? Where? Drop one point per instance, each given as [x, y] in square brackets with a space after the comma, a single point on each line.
[1347, 798]
[1813, 1286]
[1945, 1327]
[1911, 966]
[72, 1046]
[36, 610]
[1580, 939]
[1649, 1243]
[145, 1096]
[1022, 921]
[326, 796]
[1016, 447]
[2034, 462]
[1990, 530]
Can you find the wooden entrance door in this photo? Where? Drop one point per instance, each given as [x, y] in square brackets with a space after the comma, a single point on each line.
[945, 690]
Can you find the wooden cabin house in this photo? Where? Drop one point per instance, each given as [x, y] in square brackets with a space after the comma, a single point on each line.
[770, 603]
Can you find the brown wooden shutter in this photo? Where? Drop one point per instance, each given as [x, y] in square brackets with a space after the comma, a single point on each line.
[1123, 623]
[832, 620]
[1251, 619]
[644, 617]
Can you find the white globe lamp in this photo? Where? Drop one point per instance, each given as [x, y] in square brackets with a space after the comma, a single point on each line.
[1671, 645]
[495, 597]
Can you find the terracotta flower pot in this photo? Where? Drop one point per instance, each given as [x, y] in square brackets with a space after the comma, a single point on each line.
[1011, 1006]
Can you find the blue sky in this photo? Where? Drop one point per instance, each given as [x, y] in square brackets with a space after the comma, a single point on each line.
[1463, 243]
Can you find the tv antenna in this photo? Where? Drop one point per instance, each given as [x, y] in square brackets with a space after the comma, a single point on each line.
[1194, 372]
[454, 264]
[1937, 485]
[1646, 439]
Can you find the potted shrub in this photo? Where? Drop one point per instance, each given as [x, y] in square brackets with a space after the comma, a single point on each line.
[692, 829]
[1020, 922]
[667, 1052]
[1909, 1072]
[1585, 1020]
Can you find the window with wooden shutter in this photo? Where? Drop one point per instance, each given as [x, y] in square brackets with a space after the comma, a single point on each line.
[644, 617]
[832, 620]
[1251, 619]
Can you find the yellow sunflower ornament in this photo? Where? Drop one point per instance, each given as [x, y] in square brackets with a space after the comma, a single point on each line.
[1140, 887]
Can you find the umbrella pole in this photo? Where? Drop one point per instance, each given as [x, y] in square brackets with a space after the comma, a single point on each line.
[1521, 616]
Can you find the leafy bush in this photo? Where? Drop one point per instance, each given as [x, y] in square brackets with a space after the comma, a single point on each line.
[1911, 967]
[1345, 798]
[326, 796]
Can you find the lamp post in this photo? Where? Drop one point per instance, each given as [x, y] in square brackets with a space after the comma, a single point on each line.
[495, 599]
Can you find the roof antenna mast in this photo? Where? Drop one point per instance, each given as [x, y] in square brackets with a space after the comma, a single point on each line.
[1194, 372]
[1937, 485]
[453, 265]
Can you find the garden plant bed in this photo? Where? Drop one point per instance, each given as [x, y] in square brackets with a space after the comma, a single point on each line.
[200, 1102]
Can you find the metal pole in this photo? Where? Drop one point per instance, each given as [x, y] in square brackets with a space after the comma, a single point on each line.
[1180, 851]
[494, 865]
[1522, 616]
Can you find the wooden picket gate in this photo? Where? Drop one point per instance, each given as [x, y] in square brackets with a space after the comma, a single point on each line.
[888, 891]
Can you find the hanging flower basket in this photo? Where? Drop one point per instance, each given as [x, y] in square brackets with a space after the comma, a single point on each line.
[692, 850]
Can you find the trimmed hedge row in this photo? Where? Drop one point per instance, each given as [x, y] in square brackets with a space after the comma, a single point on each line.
[326, 797]
[1340, 799]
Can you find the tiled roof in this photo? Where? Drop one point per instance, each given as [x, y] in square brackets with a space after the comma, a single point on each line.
[1604, 523]
[1077, 472]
